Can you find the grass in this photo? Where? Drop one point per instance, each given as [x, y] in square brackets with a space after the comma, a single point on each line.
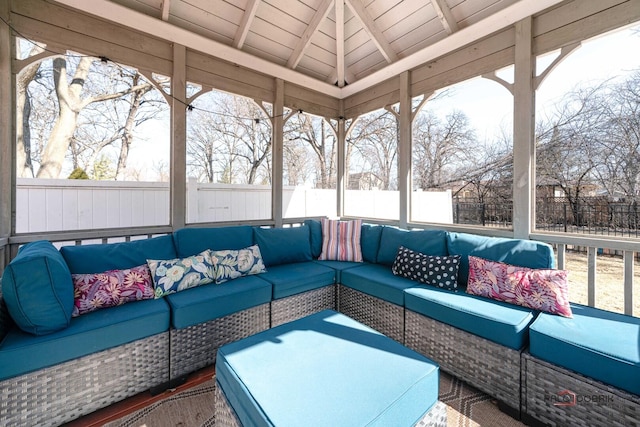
[609, 281]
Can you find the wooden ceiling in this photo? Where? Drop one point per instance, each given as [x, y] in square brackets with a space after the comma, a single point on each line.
[333, 45]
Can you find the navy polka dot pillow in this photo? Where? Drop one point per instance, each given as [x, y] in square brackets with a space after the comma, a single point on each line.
[438, 271]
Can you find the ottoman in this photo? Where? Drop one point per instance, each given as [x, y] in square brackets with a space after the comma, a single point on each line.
[325, 369]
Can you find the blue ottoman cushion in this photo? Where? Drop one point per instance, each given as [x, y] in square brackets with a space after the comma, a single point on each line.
[503, 323]
[595, 343]
[291, 279]
[325, 370]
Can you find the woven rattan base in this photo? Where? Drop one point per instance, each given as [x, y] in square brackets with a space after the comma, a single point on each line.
[488, 366]
[196, 346]
[64, 392]
[297, 306]
[226, 417]
[374, 312]
[559, 397]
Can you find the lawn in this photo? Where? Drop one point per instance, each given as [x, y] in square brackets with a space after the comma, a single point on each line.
[609, 281]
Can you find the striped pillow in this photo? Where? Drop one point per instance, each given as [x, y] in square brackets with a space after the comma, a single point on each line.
[341, 240]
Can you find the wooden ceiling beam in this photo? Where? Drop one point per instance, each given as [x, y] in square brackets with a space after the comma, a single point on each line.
[166, 5]
[372, 29]
[245, 23]
[340, 66]
[446, 17]
[305, 40]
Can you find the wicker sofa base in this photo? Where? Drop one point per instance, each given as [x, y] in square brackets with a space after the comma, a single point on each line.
[56, 395]
[376, 313]
[556, 396]
[196, 346]
[226, 417]
[490, 367]
[303, 304]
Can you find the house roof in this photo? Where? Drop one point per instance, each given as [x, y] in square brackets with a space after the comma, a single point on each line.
[339, 47]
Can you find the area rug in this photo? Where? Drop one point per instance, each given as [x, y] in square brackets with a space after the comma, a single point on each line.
[466, 407]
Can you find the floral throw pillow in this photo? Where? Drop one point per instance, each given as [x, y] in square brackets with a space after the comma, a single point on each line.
[544, 289]
[175, 275]
[341, 240]
[438, 271]
[111, 288]
[231, 264]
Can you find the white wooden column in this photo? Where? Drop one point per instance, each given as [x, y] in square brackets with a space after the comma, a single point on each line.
[7, 140]
[404, 149]
[178, 181]
[341, 171]
[277, 153]
[523, 132]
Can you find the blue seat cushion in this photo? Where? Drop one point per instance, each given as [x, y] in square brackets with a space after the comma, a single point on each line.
[87, 259]
[496, 321]
[284, 245]
[100, 330]
[430, 242]
[377, 280]
[339, 266]
[325, 370]
[38, 289]
[212, 301]
[192, 241]
[595, 343]
[524, 253]
[291, 279]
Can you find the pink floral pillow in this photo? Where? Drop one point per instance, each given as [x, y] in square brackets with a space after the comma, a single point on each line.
[111, 288]
[544, 290]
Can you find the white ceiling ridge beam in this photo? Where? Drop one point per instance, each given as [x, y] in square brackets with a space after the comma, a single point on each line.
[163, 30]
[340, 65]
[446, 17]
[166, 5]
[372, 29]
[496, 22]
[245, 23]
[305, 40]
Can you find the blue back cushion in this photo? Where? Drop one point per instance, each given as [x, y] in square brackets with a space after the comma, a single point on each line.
[315, 227]
[524, 253]
[370, 241]
[284, 245]
[192, 241]
[87, 259]
[38, 290]
[430, 242]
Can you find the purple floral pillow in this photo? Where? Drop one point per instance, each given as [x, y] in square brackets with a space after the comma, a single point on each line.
[545, 289]
[111, 288]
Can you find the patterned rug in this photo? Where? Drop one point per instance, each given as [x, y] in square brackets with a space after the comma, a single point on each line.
[466, 407]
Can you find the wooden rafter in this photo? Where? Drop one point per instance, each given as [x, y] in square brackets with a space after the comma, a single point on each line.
[166, 5]
[340, 67]
[446, 17]
[305, 40]
[372, 29]
[245, 23]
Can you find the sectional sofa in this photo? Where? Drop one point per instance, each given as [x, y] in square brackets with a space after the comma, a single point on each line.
[55, 367]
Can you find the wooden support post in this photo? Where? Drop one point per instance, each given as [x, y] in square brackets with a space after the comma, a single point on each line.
[628, 282]
[277, 153]
[179, 138]
[404, 149]
[591, 275]
[7, 135]
[342, 162]
[523, 132]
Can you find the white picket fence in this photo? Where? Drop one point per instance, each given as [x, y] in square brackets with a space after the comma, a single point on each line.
[61, 204]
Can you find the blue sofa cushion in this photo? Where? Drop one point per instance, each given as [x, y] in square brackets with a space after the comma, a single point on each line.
[38, 289]
[377, 280]
[208, 302]
[596, 343]
[192, 241]
[499, 322]
[315, 368]
[100, 330]
[291, 279]
[429, 242]
[370, 242]
[284, 245]
[339, 266]
[315, 228]
[524, 253]
[86, 259]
